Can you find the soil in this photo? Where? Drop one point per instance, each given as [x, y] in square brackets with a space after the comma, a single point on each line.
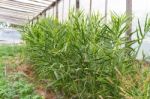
[27, 70]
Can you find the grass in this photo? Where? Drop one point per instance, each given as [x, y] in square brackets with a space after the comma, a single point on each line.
[13, 85]
[85, 58]
[9, 50]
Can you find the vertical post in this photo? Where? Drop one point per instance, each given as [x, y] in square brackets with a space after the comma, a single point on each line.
[44, 14]
[77, 4]
[63, 11]
[57, 9]
[106, 10]
[129, 13]
[69, 4]
[69, 9]
[53, 12]
[90, 7]
[37, 19]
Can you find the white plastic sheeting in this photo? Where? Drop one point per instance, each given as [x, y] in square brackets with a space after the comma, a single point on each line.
[140, 9]
[9, 36]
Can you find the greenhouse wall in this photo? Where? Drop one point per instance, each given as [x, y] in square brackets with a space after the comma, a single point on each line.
[118, 6]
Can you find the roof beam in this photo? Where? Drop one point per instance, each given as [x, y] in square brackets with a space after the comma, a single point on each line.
[16, 12]
[16, 9]
[20, 3]
[30, 2]
[19, 7]
[43, 1]
[47, 8]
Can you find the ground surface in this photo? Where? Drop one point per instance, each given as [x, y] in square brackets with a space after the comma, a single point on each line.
[17, 79]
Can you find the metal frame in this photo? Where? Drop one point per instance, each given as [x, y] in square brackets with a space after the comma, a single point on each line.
[22, 11]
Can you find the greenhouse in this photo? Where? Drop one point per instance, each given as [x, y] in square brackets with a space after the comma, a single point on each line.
[74, 49]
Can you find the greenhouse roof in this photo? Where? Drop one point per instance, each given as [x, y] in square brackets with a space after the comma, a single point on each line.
[22, 11]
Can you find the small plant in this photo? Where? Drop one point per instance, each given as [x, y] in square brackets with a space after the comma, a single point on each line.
[83, 56]
[16, 87]
[13, 85]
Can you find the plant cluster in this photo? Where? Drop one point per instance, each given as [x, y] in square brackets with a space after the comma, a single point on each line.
[84, 57]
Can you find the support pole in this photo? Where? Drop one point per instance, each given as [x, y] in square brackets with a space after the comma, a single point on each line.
[77, 5]
[90, 7]
[44, 14]
[53, 12]
[47, 8]
[37, 20]
[106, 10]
[69, 4]
[63, 10]
[57, 10]
[129, 13]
